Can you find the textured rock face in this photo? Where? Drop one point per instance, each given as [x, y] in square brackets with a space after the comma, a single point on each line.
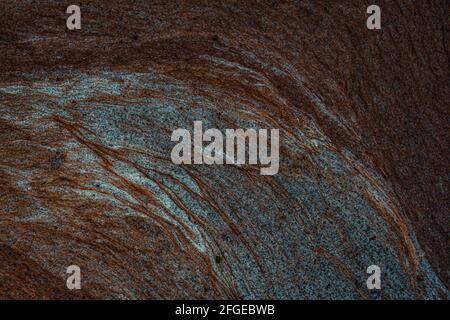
[85, 171]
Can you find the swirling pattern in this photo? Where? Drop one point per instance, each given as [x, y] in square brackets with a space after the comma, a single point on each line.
[86, 175]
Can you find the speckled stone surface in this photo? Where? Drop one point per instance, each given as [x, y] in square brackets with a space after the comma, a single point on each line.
[85, 171]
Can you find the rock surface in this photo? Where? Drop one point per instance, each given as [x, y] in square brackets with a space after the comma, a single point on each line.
[85, 171]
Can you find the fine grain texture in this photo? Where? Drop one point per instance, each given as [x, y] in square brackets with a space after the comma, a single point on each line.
[86, 176]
